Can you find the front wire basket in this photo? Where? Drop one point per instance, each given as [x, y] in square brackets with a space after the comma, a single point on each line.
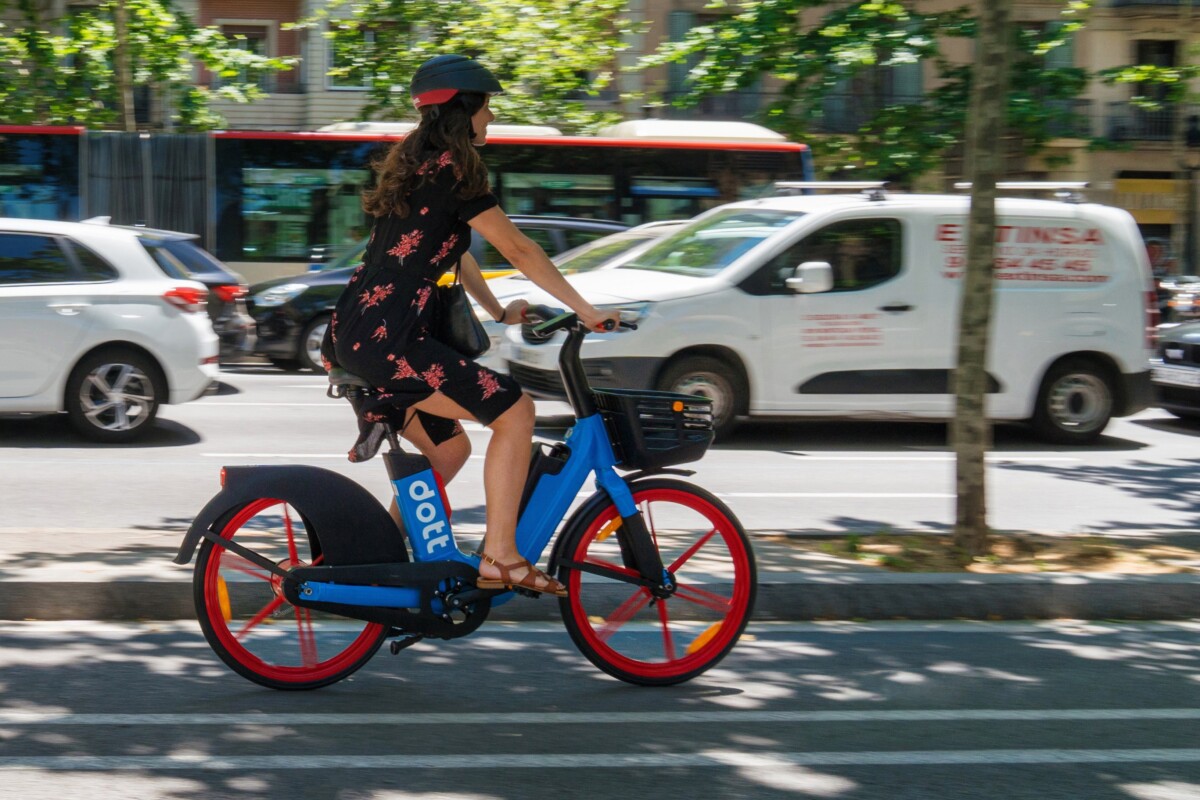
[655, 429]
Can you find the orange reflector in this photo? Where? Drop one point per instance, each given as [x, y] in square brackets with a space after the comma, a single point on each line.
[222, 477]
[677, 405]
[223, 599]
[608, 530]
[703, 638]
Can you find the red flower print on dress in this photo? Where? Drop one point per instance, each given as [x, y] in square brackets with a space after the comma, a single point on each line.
[404, 370]
[447, 246]
[445, 160]
[406, 246]
[489, 384]
[356, 346]
[326, 363]
[435, 376]
[373, 297]
[424, 211]
[371, 416]
[380, 333]
[333, 328]
[422, 298]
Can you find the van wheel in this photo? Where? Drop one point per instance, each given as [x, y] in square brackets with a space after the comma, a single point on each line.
[112, 395]
[709, 377]
[1074, 404]
[310, 344]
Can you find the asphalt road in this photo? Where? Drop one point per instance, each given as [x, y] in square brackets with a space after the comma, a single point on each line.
[847, 711]
[809, 476]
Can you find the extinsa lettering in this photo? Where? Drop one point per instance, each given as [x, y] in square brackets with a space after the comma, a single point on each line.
[1031, 252]
[427, 514]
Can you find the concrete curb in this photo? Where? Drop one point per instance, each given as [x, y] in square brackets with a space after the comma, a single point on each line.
[867, 596]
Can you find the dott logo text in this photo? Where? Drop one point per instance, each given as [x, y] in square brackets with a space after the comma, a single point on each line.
[429, 514]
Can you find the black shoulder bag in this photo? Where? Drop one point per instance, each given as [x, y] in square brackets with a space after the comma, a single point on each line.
[454, 323]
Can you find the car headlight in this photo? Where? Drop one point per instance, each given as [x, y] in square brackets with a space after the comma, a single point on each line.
[630, 312]
[278, 295]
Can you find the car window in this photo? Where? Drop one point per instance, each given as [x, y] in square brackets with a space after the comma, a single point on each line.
[493, 259]
[575, 238]
[862, 252]
[601, 252]
[705, 248]
[94, 267]
[195, 259]
[167, 261]
[33, 258]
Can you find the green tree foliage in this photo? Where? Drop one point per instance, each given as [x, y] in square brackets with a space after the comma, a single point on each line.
[60, 71]
[770, 38]
[549, 54]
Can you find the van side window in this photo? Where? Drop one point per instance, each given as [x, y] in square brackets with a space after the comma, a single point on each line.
[862, 252]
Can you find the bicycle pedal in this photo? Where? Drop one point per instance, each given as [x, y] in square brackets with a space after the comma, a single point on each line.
[527, 592]
[399, 644]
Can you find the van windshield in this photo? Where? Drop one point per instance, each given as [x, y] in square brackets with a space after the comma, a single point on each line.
[704, 249]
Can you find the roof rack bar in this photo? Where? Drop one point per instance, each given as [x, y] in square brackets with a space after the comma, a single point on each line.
[1032, 186]
[873, 189]
[1067, 191]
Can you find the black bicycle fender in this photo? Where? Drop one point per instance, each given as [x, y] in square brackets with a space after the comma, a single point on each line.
[351, 525]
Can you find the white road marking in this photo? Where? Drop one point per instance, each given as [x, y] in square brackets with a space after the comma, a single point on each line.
[709, 758]
[611, 717]
[819, 495]
[946, 458]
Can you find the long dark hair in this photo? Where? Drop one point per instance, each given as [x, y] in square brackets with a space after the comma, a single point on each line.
[442, 127]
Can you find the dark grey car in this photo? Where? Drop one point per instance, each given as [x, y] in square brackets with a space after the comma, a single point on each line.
[1176, 376]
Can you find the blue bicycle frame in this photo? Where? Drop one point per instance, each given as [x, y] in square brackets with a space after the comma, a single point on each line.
[427, 525]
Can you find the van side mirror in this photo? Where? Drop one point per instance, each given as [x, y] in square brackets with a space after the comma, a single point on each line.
[811, 277]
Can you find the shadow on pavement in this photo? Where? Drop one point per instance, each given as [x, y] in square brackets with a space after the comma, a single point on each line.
[55, 431]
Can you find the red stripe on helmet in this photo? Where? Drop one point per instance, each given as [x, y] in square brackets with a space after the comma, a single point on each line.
[434, 97]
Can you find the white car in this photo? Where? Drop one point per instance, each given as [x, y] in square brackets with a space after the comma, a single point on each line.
[603, 253]
[847, 306]
[92, 325]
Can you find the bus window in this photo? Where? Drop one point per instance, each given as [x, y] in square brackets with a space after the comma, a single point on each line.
[287, 212]
[558, 194]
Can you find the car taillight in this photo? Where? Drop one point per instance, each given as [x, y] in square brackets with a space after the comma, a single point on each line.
[1153, 317]
[185, 298]
[228, 292]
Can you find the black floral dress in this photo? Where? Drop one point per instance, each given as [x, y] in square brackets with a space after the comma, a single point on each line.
[380, 326]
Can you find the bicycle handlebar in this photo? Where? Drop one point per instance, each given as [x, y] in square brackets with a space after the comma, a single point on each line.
[547, 319]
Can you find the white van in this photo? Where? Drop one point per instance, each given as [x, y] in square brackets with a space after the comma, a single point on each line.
[847, 306]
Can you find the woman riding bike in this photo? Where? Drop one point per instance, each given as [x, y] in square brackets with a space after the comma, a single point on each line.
[432, 191]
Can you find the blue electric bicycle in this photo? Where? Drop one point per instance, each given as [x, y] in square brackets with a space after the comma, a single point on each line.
[302, 574]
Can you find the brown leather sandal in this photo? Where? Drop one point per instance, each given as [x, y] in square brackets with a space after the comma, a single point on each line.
[529, 582]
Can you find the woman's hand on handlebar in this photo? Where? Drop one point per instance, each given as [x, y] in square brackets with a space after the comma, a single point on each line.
[601, 321]
[514, 312]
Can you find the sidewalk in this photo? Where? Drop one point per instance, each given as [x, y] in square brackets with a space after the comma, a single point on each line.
[129, 575]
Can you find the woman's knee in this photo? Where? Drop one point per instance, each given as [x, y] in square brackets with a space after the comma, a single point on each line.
[520, 415]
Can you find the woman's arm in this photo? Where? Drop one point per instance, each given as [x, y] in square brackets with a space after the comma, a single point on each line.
[476, 286]
[525, 254]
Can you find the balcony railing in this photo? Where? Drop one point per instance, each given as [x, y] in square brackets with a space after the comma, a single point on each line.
[1127, 122]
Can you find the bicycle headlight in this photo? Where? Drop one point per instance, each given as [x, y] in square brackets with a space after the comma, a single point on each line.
[278, 295]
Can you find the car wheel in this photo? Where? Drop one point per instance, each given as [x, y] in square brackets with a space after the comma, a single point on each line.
[709, 377]
[112, 395]
[285, 364]
[1074, 404]
[310, 344]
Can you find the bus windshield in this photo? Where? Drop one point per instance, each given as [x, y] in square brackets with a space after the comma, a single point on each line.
[704, 249]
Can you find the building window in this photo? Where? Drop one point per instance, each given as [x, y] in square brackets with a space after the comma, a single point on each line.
[344, 74]
[253, 39]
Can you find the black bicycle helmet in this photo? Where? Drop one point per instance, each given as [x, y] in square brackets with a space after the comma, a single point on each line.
[441, 77]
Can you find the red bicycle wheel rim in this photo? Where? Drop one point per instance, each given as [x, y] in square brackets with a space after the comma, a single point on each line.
[731, 624]
[361, 647]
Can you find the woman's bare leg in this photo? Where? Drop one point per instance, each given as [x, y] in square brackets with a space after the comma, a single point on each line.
[446, 458]
[504, 473]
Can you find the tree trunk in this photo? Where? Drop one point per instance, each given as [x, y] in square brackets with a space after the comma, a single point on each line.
[124, 79]
[970, 432]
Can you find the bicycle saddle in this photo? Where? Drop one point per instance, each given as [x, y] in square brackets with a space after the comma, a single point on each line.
[342, 377]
